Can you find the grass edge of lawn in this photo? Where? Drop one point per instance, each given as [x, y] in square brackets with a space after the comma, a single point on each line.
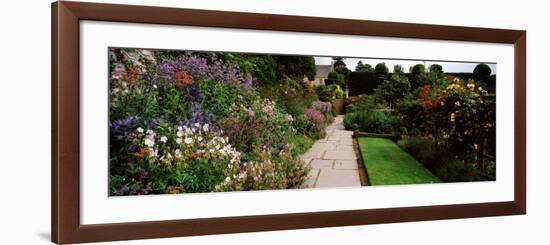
[430, 177]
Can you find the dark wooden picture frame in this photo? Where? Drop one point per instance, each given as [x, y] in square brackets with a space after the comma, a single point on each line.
[65, 181]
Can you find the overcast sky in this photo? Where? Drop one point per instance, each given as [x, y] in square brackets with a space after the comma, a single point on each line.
[447, 66]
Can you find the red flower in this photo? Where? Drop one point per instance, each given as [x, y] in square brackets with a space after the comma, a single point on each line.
[131, 75]
[183, 80]
[437, 104]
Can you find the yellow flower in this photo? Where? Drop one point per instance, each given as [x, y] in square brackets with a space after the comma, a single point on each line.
[475, 146]
[456, 80]
[453, 117]
[471, 80]
[471, 85]
[457, 103]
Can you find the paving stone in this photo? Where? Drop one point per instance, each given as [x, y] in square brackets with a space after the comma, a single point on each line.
[337, 178]
[341, 155]
[334, 138]
[312, 178]
[332, 159]
[323, 146]
[345, 164]
[313, 154]
[344, 148]
[320, 163]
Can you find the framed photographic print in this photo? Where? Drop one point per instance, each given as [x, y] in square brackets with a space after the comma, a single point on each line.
[177, 122]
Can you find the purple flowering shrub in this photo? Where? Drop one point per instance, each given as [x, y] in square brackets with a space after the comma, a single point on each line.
[324, 107]
[315, 116]
[311, 123]
[202, 68]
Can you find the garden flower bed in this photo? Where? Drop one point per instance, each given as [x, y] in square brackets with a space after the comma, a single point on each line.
[186, 122]
[445, 122]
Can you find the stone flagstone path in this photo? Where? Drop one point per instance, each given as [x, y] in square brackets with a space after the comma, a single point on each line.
[332, 159]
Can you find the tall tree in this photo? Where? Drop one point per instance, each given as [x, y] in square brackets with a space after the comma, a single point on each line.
[295, 67]
[381, 71]
[417, 71]
[363, 67]
[393, 89]
[482, 71]
[398, 69]
[436, 68]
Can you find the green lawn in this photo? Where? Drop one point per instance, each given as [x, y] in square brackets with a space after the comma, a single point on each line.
[387, 164]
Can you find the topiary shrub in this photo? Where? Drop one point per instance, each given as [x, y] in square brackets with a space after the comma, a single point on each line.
[436, 68]
[482, 70]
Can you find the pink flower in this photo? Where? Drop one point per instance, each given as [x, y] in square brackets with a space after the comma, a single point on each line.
[289, 118]
[315, 115]
[249, 111]
[268, 109]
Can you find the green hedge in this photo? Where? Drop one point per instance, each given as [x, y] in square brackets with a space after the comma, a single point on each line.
[362, 83]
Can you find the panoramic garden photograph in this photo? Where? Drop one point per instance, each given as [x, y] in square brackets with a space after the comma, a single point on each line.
[198, 121]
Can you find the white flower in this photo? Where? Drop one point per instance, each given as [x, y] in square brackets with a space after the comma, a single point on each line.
[179, 133]
[153, 153]
[199, 138]
[197, 125]
[154, 86]
[177, 153]
[163, 139]
[169, 156]
[227, 179]
[205, 127]
[149, 142]
[140, 130]
[179, 140]
[217, 147]
[188, 140]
